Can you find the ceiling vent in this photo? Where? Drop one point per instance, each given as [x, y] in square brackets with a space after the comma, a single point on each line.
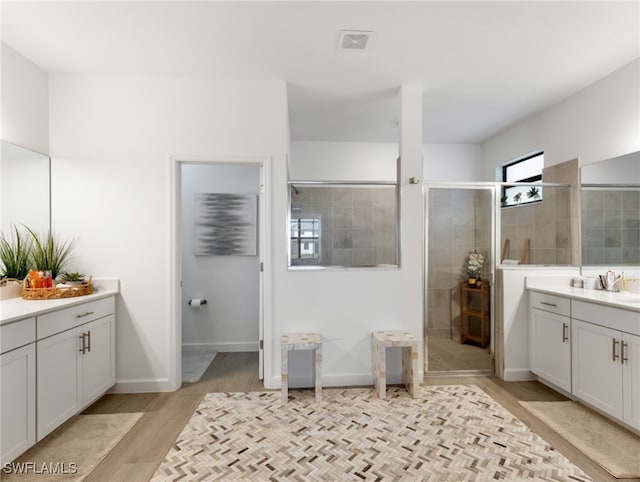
[355, 39]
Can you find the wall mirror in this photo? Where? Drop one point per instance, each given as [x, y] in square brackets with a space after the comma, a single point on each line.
[343, 224]
[25, 187]
[610, 211]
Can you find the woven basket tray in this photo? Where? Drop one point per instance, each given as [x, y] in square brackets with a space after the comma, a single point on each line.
[83, 289]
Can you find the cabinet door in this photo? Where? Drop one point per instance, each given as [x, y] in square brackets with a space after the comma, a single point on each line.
[597, 371]
[18, 401]
[59, 395]
[551, 348]
[631, 380]
[99, 364]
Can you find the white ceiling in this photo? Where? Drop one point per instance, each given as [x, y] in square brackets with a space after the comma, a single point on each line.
[482, 65]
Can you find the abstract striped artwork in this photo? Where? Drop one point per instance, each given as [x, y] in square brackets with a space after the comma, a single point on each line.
[225, 224]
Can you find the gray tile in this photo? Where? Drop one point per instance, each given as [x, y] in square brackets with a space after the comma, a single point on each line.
[593, 238]
[362, 218]
[362, 238]
[342, 197]
[612, 219]
[613, 255]
[363, 197]
[321, 197]
[342, 218]
[363, 256]
[612, 238]
[592, 256]
[631, 255]
[341, 257]
[631, 238]
[342, 238]
[613, 200]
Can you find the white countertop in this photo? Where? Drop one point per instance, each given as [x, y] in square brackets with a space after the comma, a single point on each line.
[16, 308]
[561, 287]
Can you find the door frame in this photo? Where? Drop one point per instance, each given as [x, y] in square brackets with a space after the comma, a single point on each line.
[175, 255]
[492, 188]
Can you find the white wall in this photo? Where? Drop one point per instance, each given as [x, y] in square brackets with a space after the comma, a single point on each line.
[230, 284]
[452, 162]
[343, 161]
[597, 123]
[24, 101]
[376, 161]
[111, 140]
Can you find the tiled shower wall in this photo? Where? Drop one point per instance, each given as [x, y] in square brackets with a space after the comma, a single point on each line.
[610, 227]
[546, 224]
[551, 226]
[358, 224]
[459, 221]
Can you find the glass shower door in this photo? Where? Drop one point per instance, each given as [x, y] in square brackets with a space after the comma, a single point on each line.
[460, 220]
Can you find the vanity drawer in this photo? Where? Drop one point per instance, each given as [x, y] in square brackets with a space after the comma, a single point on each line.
[17, 334]
[550, 303]
[614, 318]
[65, 319]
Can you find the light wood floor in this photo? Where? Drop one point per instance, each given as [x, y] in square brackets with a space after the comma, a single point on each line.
[142, 450]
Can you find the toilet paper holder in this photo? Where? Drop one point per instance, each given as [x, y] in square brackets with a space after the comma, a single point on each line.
[202, 302]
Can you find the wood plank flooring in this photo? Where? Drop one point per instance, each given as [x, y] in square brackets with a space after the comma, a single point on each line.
[142, 450]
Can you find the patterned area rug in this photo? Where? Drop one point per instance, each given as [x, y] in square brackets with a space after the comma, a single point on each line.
[452, 432]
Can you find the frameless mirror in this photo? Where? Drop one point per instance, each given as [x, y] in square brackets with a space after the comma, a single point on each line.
[347, 225]
[25, 188]
[610, 211]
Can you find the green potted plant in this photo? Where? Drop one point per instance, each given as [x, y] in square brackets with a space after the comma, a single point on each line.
[503, 200]
[533, 193]
[50, 253]
[72, 278]
[15, 253]
[517, 197]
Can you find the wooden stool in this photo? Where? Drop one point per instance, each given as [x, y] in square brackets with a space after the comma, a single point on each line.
[301, 341]
[380, 341]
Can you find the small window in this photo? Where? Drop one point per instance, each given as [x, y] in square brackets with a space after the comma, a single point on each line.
[525, 170]
[305, 238]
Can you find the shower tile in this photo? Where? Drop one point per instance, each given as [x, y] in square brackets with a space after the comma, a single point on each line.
[563, 256]
[563, 235]
[321, 197]
[543, 256]
[593, 238]
[342, 257]
[612, 219]
[544, 236]
[612, 239]
[385, 255]
[613, 255]
[362, 217]
[363, 238]
[593, 218]
[342, 238]
[342, 197]
[384, 197]
[363, 257]
[593, 199]
[631, 200]
[631, 255]
[524, 215]
[613, 200]
[630, 238]
[363, 197]
[440, 198]
[385, 238]
[342, 218]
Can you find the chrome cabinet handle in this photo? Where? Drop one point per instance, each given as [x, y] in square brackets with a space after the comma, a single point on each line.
[84, 346]
[548, 304]
[623, 358]
[85, 314]
[565, 335]
[614, 346]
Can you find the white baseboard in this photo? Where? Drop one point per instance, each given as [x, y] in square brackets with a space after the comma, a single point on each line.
[142, 386]
[518, 375]
[227, 346]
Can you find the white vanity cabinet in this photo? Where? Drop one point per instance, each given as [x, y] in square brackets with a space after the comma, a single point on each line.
[18, 385]
[606, 360]
[549, 335]
[76, 360]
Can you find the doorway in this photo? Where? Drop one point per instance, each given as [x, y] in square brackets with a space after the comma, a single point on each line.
[213, 263]
[459, 319]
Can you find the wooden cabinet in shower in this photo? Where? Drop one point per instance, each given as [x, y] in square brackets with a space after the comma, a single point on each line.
[475, 313]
